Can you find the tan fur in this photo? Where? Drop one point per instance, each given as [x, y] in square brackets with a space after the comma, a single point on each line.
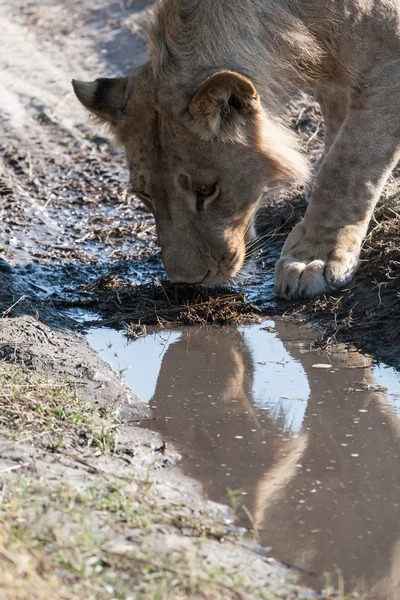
[204, 112]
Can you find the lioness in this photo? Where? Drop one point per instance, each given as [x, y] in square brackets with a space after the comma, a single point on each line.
[204, 136]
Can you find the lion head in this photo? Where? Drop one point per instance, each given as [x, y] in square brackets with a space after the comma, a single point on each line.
[199, 160]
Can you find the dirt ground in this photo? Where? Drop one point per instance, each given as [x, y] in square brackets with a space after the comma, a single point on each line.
[92, 506]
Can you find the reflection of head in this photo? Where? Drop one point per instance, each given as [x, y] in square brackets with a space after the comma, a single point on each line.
[207, 361]
[204, 394]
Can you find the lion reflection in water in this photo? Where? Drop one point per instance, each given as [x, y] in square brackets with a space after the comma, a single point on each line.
[323, 498]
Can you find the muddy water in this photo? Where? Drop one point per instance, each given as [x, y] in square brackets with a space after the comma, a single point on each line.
[308, 441]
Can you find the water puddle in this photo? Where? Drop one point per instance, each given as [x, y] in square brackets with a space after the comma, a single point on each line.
[308, 442]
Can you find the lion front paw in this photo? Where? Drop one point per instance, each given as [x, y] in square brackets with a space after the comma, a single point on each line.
[312, 265]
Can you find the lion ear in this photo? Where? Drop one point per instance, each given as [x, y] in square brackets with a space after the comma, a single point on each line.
[103, 97]
[222, 101]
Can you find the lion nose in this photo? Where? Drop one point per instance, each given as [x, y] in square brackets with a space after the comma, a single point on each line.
[181, 273]
[186, 266]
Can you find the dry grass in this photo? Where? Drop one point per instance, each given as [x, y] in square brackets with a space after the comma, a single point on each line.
[50, 414]
[57, 543]
[165, 303]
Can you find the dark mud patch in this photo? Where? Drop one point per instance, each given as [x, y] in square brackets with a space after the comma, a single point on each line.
[163, 304]
[119, 298]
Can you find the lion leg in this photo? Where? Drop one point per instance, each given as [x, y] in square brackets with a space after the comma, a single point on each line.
[334, 103]
[321, 253]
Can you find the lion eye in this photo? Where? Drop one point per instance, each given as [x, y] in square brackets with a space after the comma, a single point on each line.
[206, 194]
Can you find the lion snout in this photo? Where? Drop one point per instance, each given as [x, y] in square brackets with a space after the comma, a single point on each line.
[202, 271]
[184, 266]
[192, 258]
